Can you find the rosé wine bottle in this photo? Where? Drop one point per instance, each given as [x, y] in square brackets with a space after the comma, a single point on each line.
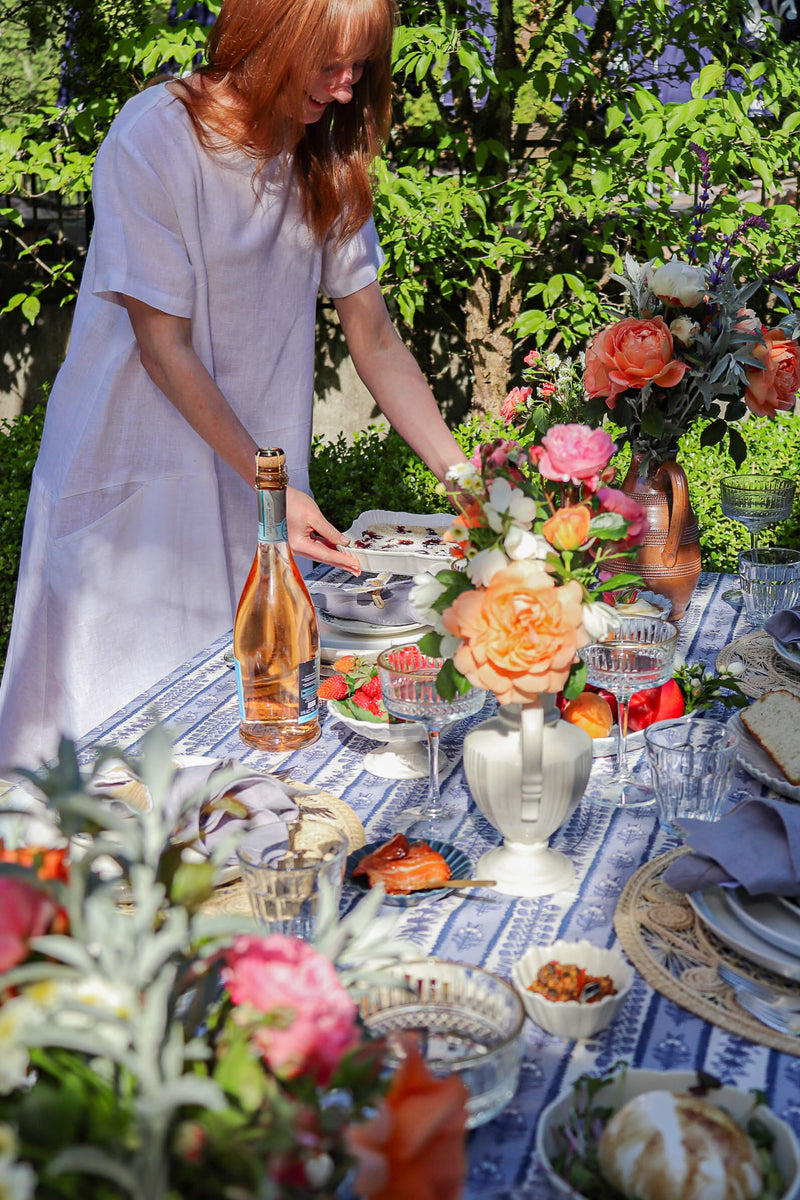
[275, 635]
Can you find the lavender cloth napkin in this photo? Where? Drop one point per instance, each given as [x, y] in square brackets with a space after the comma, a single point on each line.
[354, 602]
[785, 626]
[268, 801]
[755, 845]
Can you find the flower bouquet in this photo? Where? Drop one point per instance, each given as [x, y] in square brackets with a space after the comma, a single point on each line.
[536, 528]
[692, 348]
[148, 1050]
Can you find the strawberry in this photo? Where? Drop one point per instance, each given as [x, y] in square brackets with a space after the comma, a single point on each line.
[372, 687]
[372, 705]
[346, 664]
[333, 688]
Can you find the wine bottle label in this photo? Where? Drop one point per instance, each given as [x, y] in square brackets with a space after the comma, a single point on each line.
[272, 516]
[308, 678]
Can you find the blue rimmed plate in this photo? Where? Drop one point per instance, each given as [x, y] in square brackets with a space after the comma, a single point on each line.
[457, 861]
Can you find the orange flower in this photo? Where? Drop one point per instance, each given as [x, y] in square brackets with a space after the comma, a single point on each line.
[415, 1148]
[568, 528]
[628, 355]
[774, 388]
[49, 863]
[520, 632]
[471, 518]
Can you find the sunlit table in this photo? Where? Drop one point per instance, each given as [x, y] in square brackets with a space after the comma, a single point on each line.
[198, 702]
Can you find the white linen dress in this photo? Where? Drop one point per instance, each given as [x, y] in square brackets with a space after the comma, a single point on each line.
[138, 539]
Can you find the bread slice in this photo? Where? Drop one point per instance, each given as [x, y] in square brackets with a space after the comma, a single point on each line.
[774, 721]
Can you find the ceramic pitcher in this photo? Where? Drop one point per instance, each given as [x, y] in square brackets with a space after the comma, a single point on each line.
[527, 770]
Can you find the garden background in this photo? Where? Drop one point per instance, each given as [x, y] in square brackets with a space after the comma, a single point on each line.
[533, 145]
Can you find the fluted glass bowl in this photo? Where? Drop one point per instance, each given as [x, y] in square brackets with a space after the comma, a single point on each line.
[468, 1022]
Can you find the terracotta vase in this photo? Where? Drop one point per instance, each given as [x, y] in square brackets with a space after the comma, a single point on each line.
[669, 558]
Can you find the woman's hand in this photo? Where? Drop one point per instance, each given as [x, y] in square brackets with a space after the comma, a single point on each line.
[311, 535]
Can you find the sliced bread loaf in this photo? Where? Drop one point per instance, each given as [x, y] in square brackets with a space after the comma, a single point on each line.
[774, 721]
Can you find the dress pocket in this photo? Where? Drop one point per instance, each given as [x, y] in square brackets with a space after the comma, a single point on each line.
[76, 516]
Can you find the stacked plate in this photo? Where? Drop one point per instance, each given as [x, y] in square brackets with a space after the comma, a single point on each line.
[789, 652]
[763, 929]
[758, 763]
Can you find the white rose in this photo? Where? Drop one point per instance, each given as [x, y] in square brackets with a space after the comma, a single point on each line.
[485, 565]
[678, 283]
[599, 619]
[520, 544]
[426, 591]
[17, 1181]
[684, 330]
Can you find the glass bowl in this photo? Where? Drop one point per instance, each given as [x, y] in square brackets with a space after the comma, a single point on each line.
[468, 1021]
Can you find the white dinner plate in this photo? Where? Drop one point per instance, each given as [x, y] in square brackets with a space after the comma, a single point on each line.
[758, 763]
[789, 654]
[333, 643]
[775, 922]
[368, 629]
[713, 908]
[657, 606]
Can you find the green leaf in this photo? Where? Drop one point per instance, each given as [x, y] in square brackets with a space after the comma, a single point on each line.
[192, 883]
[450, 682]
[576, 681]
[714, 433]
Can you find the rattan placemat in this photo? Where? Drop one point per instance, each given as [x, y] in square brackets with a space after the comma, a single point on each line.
[318, 811]
[764, 669]
[669, 945]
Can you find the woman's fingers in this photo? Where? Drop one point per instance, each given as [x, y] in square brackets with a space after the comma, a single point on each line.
[313, 536]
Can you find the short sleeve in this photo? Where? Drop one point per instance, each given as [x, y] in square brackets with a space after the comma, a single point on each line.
[349, 268]
[139, 249]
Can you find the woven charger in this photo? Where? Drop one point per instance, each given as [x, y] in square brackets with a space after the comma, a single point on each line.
[668, 944]
[764, 669]
[318, 812]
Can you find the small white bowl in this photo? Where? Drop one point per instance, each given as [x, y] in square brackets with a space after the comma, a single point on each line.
[634, 1082]
[568, 1018]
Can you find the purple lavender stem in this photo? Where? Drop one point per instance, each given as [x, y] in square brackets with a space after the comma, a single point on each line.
[696, 234]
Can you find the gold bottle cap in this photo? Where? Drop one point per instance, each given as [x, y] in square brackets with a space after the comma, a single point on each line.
[271, 468]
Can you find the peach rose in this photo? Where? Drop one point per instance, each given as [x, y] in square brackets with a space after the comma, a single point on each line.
[774, 388]
[568, 528]
[519, 633]
[629, 355]
[415, 1148]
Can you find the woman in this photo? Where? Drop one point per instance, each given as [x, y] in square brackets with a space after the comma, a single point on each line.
[222, 204]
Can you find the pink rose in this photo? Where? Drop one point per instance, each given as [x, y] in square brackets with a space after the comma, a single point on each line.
[615, 501]
[629, 355]
[516, 399]
[531, 358]
[773, 387]
[25, 913]
[288, 979]
[575, 454]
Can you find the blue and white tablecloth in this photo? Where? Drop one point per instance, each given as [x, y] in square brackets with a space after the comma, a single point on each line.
[199, 703]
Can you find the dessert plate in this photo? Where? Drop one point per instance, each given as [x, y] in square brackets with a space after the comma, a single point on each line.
[714, 910]
[776, 923]
[400, 560]
[758, 763]
[789, 653]
[459, 864]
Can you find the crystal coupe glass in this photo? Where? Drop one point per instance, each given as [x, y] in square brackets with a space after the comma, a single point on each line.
[756, 501]
[637, 655]
[408, 687]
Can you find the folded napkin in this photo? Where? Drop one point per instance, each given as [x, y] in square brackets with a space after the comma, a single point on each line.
[354, 601]
[785, 626]
[756, 845]
[254, 803]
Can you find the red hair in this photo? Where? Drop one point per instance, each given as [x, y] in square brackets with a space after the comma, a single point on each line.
[261, 54]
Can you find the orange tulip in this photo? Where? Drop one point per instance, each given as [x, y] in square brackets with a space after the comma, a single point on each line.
[415, 1148]
[568, 528]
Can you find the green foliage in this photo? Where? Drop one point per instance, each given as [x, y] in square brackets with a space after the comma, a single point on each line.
[19, 445]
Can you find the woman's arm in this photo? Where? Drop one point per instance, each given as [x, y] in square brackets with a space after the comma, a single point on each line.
[389, 371]
[167, 354]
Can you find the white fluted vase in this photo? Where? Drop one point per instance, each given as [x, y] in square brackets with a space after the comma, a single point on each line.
[527, 769]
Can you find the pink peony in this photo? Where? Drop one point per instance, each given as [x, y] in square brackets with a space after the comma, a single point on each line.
[25, 913]
[516, 399]
[288, 979]
[575, 454]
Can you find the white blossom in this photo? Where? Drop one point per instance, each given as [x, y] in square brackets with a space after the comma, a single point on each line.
[678, 281]
[507, 500]
[520, 544]
[15, 1014]
[684, 330]
[426, 591]
[551, 361]
[8, 1142]
[735, 668]
[599, 619]
[17, 1180]
[484, 566]
[450, 643]
[466, 475]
